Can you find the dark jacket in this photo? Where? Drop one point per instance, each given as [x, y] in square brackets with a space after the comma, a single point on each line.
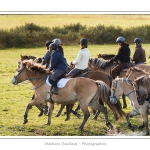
[123, 55]
[139, 55]
[58, 62]
[46, 59]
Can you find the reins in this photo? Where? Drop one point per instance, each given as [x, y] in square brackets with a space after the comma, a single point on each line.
[19, 72]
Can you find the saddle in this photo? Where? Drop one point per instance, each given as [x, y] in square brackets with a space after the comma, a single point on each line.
[82, 74]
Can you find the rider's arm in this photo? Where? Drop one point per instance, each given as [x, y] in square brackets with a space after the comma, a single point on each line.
[78, 58]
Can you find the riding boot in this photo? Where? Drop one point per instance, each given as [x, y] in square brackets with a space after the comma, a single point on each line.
[54, 89]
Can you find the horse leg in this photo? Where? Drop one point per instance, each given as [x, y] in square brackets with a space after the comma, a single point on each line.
[145, 121]
[86, 115]
[124, 101]
[29, 106]
[60, 110]
[97, 112]
[96, 115]
[131, 114]
[102, 109]
[78, 108]
[50, 111]
[68, 111]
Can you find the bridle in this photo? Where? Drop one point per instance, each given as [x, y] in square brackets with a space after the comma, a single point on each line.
[116, 86]
[21, 70]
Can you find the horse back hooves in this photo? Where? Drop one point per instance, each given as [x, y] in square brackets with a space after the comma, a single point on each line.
[25, 121]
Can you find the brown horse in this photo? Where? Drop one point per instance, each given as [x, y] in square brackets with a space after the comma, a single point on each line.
[132, 91]
[99, 63]
[86, 91]
[95, 75]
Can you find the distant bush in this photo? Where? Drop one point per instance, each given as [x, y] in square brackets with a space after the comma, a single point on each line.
[32, 35]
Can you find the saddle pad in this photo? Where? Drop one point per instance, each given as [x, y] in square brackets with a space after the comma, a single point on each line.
[61, 83]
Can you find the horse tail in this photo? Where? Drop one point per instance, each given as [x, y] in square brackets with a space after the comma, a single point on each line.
[104, 96]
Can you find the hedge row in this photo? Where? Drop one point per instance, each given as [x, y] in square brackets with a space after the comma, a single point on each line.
[32, 35]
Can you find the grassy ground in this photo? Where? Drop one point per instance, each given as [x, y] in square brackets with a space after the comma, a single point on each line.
[14, 100]
[11, 21]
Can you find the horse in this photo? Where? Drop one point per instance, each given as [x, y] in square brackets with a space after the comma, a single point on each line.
[99, 63]
[105, 56]
[95, 75]
[84, 90]
[123, 85]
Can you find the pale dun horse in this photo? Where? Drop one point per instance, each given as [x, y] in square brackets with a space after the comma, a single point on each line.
[133, 90]
[86, 91]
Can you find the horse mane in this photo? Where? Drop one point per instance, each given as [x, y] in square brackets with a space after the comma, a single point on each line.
[98, 62]
[35, 67]
[28, 57]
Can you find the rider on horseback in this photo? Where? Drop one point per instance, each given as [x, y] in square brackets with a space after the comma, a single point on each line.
[46, 57]
[123, 57]
[59, 45]
[59, 65]
[139, 54]
[81, 62]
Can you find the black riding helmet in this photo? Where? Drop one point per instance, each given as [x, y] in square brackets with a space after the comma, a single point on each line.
[137, 40]
[83, 41]
[53, 46]
[48, 43]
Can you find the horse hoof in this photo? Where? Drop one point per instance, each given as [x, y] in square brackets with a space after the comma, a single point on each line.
[66, 119]
[141, 126]
[132, 128]
[39, 115]
[78, 115]
[124, 106]
[47, 124]
[57, 115]
[25, 121]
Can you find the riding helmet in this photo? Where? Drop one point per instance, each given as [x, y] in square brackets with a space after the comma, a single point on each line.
[53, 46]
[57, 41]
[120, 39]
[83, 41]
[48, 43]
[137, 40]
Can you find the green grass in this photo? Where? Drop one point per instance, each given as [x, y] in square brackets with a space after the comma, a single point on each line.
[124, 21]
[14, 99]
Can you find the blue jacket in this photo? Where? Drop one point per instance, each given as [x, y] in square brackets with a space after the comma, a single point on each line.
[58, 62]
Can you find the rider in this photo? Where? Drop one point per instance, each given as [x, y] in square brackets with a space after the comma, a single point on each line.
[59, 65]
[59, 45]
[139, 54]
[81, 62]
[46, 57]
[123, 56]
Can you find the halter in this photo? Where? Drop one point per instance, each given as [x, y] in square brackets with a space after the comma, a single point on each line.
[20, 71]
[116, 85]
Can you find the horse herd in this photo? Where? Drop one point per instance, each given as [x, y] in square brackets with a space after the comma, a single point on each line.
[94, 89]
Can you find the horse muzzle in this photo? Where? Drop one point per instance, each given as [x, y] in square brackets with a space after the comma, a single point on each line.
[14, 81]
[113, 100]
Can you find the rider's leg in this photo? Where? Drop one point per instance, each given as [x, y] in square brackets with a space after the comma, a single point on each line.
[75, 72]
[54, 79]
[116, 70]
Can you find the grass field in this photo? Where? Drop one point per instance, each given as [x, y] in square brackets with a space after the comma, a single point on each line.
[124, 21]
[14, 100]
